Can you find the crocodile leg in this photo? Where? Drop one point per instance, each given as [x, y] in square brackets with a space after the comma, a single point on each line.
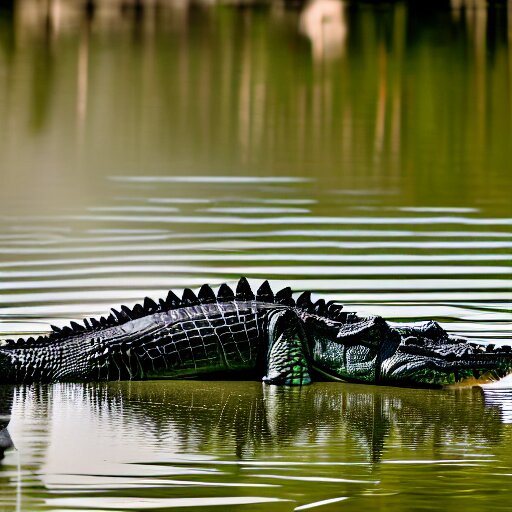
[287, 359]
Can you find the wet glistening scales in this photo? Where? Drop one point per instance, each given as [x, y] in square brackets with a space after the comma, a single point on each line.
[267, 335]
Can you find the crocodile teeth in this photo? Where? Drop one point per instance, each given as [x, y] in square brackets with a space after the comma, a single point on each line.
[189, 298]
[284, 296]
[243, 290]
[225, 293]
[265, 293]
[206, 295]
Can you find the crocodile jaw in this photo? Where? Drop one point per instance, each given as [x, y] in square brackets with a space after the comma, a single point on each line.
[453, 363]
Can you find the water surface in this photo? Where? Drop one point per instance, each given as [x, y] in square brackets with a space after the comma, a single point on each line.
[357, 149]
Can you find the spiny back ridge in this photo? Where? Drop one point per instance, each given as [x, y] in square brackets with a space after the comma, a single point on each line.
[205, 296]
[265, 293]
[243, 290]
[225, 293]
[189, 298]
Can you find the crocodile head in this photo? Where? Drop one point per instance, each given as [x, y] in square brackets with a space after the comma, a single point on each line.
[428, 356]
[370, 350]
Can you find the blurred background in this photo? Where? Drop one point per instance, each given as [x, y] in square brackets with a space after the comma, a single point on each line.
[361, 149]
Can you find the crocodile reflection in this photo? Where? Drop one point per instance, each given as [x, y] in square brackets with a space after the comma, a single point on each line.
[6, 398]
[245, 419]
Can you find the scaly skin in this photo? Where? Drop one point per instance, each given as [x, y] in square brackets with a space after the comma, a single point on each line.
[264, 336]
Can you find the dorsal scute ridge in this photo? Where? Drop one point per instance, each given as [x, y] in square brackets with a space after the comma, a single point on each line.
[332, 310]
[304, 301]
[225, 293]
[149, 305]
[189, 298]
[335, 310]
[138, 311]
[243, 290]
[265, 293]
[76, 327]
[116, 317]
[319, 307]
[120, 315]
[172, 300]
[95, 323]
[285, 297]
[206, 295]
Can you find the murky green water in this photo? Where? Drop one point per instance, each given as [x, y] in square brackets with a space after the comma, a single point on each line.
[361, 150]
[178, 444]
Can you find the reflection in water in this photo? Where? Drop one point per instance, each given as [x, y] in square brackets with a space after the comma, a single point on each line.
[6, 397]
[500, 393]
[326, 145]
[322, 21]
[181, 440]
[244, 420]
[186, 99]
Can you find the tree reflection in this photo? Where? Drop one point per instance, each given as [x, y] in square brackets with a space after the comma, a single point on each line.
[344, 92]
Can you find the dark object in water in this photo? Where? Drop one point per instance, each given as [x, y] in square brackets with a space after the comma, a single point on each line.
[250, 335]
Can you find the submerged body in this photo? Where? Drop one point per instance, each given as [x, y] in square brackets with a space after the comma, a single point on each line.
[264, 336]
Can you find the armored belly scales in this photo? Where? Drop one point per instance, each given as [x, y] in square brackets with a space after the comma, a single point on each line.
[269, 336]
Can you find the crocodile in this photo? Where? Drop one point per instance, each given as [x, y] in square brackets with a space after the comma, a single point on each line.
[246, 335]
